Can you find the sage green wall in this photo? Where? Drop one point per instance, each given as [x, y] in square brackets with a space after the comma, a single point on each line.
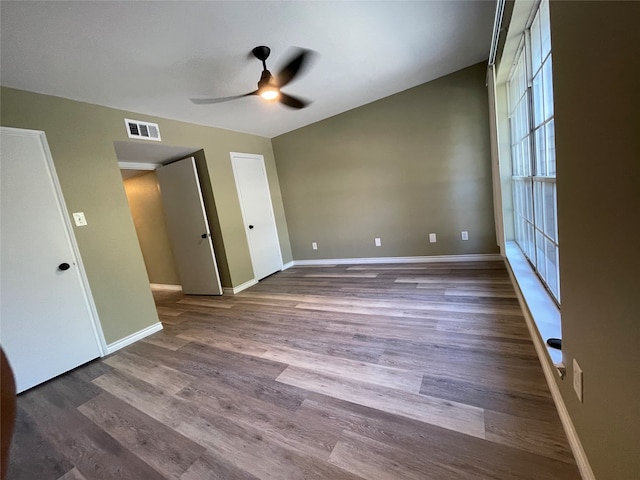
[81, 137]
[399, 168]
[147, 212]
[597, 100]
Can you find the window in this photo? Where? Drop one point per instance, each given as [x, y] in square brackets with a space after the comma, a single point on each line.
[530, 96]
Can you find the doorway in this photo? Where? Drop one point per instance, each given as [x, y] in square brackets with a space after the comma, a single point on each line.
[145, 204]
[168, 250]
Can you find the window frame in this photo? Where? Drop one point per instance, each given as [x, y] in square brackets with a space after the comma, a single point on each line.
[535, 233]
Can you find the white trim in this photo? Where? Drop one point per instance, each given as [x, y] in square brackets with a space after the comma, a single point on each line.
[288, 265]
[574, 441]
[481, 257]
[97, 326]
[239, 288]
[497, 24]
[494, 131]
[165, 287]
[543, 310]
[134, 337]
[138, 166]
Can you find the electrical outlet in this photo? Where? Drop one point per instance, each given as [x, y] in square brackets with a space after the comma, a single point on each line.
[577, 379]
[378, 242]
[432, 238]
[314, 245]
[464, 235]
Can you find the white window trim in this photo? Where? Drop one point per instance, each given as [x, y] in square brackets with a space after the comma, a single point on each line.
[539, 305]
[537, 299]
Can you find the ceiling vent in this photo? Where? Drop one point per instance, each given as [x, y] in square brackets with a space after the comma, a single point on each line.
[143, 130]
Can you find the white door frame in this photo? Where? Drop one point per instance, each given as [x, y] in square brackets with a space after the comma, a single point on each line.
[86, 288]
[233, 156]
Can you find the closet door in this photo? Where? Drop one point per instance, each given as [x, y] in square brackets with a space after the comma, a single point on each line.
[257, 212]
[47, 323]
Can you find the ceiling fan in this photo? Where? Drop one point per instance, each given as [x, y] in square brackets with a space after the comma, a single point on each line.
[269, 86]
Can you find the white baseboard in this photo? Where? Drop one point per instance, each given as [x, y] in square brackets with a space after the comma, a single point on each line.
[164, 286]
[288, 265]
[134, 337]
[550, 372]
[239, 288]
[424, 259]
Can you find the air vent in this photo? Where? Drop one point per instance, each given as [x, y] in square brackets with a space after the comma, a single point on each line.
[143, 130]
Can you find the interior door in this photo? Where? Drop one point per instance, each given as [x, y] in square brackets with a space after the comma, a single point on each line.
[257, 212]
[47, 325]
[188, 228]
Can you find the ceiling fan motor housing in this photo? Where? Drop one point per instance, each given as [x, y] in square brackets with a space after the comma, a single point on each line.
[265, 80]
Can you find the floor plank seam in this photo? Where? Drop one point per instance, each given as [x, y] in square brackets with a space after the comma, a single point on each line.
[346, 372]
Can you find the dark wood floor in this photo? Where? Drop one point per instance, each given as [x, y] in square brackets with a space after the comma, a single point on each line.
[346, 372]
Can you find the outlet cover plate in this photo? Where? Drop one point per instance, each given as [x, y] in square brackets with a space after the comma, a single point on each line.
[432, 238]
[79, 219]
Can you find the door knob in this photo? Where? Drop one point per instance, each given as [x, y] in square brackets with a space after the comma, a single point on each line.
[64, 266]
[250, 227]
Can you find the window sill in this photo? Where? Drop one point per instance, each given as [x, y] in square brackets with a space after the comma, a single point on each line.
[544, 312]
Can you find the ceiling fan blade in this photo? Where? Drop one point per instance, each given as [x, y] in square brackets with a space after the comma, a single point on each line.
[292, 102]
[295, 66]
[208, 101]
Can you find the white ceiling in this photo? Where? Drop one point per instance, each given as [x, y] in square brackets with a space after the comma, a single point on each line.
[138, 158]
[150, 152]
[151, 57]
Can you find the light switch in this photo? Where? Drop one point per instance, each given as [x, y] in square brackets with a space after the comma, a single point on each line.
[78, 217]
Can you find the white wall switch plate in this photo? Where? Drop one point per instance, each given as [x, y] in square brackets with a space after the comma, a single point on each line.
[314, 245]
[464, 235]
[577, 379]
[378, 242]
[432, 238]
[79, 218]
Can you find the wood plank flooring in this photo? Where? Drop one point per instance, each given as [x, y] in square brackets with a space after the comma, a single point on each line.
[421, 371]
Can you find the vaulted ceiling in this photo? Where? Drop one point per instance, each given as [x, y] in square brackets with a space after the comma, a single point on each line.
[151, 57]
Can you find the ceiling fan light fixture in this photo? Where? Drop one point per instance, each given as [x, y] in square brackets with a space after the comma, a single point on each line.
[269, 85]
[269, 92]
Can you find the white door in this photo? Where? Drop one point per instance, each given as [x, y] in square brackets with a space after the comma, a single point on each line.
[188, 228]
[257, 213]
[48, 324]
